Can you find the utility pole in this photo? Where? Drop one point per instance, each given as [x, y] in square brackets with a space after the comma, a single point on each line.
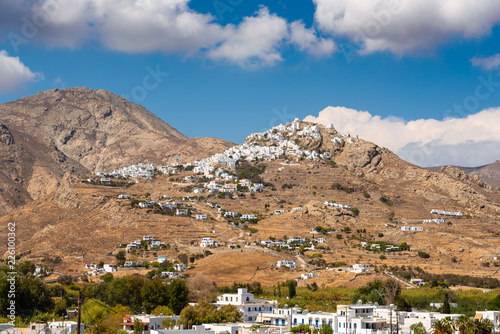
[397, 321]
[79, 318]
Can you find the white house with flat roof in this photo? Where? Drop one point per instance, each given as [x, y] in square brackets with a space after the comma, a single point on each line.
[247, 304]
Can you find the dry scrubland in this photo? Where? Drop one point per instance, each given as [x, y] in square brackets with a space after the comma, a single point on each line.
[89, 220]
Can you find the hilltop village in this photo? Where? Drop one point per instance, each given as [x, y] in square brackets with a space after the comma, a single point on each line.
[235, 176]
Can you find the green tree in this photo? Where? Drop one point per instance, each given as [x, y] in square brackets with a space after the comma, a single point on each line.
[138, 327]
[301, 329]
[418, 328]
[292, 288]
[26, 267]
[178, 295]
[444, 326]
[462, 323]
[162, 310]
[230, 313]
[446, 308]
[355, 211]
[480, 326]
[31, 293]
[154, 293]
[494, 304]
[121, 255]
[126, 291]
[326, 329]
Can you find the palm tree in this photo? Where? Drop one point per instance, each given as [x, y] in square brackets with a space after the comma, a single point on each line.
[480, 326]
[462, 323]
[444, 326]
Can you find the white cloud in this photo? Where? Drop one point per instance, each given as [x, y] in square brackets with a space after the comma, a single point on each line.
[152, 25]
[14, 73]
[487, 63]
[405, 26]
[254, 41]
[470, 141]
[307, 40]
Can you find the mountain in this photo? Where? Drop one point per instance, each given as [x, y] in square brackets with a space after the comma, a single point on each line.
[489, 174]
[79, 131]
[388, 193]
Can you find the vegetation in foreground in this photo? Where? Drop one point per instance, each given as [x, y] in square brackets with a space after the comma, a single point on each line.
[108, 301]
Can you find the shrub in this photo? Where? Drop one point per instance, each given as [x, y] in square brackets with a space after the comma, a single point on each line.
[366, 194]
[383, 257]
[423, 255]
[384, 199]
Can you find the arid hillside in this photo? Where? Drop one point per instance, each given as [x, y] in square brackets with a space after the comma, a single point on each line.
[79, 131]
[83, 223]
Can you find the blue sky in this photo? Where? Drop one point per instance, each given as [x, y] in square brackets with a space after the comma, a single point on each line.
[237, 66]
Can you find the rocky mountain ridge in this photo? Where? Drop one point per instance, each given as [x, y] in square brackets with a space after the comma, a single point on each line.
[78, 131]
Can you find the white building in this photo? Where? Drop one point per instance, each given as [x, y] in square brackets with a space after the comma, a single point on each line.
[493, 316]
[246, 217]
[412, 228]
[181, 212]
[179, 266]
[247, 304]
[150, 322]
[231, 214]
[201, 216]
[306, 276]
[360, 268]
[286, 263]
[208, 242]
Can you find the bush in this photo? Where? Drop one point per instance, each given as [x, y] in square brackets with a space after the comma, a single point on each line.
[423, 255]
[366, 194]
[355, 211]
[383, 257]
[384, 199]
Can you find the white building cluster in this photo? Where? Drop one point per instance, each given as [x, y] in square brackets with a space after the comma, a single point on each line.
[434, 220]
[338, 206]
[446, 213]
[247, 304]
[412, 228]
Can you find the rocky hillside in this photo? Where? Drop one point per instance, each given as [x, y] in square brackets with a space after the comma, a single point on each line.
[80, 130]
[489, 173]
[387, 192]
